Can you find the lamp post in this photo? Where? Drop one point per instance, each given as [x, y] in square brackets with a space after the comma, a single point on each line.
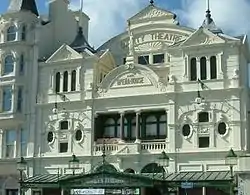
[163, 161]
[231, 161]
[74, 163]
[21, 167]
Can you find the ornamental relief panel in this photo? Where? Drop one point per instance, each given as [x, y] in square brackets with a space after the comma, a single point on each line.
[154, 13]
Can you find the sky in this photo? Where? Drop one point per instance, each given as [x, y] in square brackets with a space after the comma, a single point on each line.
[108, 17]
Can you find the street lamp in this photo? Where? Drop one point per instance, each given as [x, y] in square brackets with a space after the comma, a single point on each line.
[74, 163]
[21, 167]
[163, 161]
[231, 160]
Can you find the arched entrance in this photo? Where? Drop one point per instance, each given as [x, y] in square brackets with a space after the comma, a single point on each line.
[129, 171]
[152, 169]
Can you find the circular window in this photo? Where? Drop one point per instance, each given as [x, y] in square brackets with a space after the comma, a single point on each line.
[50, 137]
[186, 130]
[222, 128]
[78, 135]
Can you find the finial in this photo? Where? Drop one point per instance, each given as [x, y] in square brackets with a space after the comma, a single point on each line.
[80, 13]
[151, 2]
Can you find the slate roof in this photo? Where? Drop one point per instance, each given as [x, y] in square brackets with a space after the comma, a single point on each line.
[23, 5]
[80, 44]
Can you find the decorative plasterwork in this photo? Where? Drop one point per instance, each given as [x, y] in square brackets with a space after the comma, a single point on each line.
[131, 75]
[65, 52]
[202, 37]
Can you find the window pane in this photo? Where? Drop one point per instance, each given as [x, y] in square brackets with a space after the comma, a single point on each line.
[193, 70]
[21, 68]
[24, 142]
[8, 64]
[213, 67]
[64, 125]
[65, 81]
[11, 136]
[7, 98]
[63, 147]
[162, 130]
[159, 58]
[151, 130]
[73, 80]
[203, 68]
[203, 117]
[19, 99]
[143, 60]
[58, 78]
[23, 38]
[11, 33]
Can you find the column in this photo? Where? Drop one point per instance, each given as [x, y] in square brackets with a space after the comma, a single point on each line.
[14, 98]
[137, 127]
[198, 69]
[122, 126]
[208, 68]
[203, 190]
[1, 143]
[61, 82]
[69, 80]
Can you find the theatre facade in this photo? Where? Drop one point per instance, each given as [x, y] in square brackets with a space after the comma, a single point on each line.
[159, 109]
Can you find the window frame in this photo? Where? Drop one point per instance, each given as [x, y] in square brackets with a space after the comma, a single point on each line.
[10, 99]
[11, 143]
[8, 64]
[159, 54]
[13, 32]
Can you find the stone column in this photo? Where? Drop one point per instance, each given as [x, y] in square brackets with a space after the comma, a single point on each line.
[1, 143]
[208, 68]
[61, 82]
[137, 127]
[69, 80]
[204, 191]
[122, 126]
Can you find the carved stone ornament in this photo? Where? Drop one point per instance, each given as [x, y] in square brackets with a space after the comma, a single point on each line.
[130, 66]
[154, 45]
[171, 79]
[154, 13]
[203, 130]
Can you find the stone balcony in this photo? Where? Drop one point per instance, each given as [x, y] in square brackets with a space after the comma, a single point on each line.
[123, 148]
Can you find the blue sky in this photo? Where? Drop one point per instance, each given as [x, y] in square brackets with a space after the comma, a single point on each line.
[108, 17]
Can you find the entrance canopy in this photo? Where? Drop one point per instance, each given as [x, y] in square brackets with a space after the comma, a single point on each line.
[113, 179]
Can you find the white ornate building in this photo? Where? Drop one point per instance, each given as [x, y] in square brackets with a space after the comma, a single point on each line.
[157, 87]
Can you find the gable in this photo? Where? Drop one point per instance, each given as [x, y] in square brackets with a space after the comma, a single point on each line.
[152, 12]
[202, 37]
[64, 53]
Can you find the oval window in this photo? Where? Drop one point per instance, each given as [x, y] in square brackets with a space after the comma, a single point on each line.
[50, 137]
[222, 128]
[78, 135]
[186, 130]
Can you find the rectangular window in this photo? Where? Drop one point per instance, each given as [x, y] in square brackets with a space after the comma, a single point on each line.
[143, 60]
[203, 117]
[23, 142]
[159, 58]
[203, 142]
[7, 98]
[11, 136]
[23, 35]
[63, 147]
[11, 191]
[21, 64]
[64, 125]
[124, 60]
[19, 99]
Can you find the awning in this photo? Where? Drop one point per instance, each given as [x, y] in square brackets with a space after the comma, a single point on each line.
[107, 179]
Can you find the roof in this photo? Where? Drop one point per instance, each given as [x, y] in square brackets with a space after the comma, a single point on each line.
[23, 5]
[107, 179]
[80, 44]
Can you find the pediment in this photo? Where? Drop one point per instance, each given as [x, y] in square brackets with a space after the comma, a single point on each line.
[152, 12]
[64, 53]
[202, 37]
[130, 79]
[107, 179]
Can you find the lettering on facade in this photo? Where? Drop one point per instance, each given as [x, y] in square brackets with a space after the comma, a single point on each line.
[157, 36]
[130, 80]
[105, 181]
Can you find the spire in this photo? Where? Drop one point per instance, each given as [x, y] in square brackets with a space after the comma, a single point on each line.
[151, 2]
[23, 5]
[80, 43]
[209, 23]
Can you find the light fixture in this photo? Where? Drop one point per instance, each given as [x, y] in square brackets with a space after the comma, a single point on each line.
[231, 158]
[163, 161]
[74, 163]
[55, 109]
[21, 165]
[198, 99]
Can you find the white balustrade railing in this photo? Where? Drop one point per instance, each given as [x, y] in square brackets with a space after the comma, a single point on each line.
[153, 146]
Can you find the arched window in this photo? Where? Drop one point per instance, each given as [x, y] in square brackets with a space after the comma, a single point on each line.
[11, 33]
[213, 67]
[109, 128]
[152, 168]
[8, 64]
[73, 80]
[193, 69]
[65, 81]
[58, 79]
[203, 68]
[151, 127]
[21, 64]
[23, 35]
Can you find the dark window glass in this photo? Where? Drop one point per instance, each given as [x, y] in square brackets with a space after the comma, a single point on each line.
[23, 35]
[58, 79]
[193, 70]
[73, 80]
[159, 58]
[78, 135]
[203, 117]
[124, 60]
[63, 147]
[213, 67]
[110, 128]
[19, 99]
[7, 98]
[8, 64]
[203, 68]
[143, 60]
[186, 130]
[11, 33]
[64, 125]
[203, 142]
[65, 81]
[11, 191]
[222, 128]
[50, 137]
[21, 68]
